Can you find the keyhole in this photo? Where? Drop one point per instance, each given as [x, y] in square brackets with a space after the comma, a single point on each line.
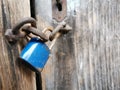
[59, 6]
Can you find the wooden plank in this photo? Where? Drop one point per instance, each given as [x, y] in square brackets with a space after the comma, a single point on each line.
[14, 75]
[56, 75]
[96, 45]
[88, 57]
[44, 18]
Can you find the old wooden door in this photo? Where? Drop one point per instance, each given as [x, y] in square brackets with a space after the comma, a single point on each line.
[87, 58]
[13, 75]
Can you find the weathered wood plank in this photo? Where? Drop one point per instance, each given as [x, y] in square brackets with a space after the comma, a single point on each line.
[97, 47]
[88, 57]
[53, 73]
[44, 19]
[13, 75]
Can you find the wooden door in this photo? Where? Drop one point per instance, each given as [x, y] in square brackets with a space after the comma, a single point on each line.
[13, 75]
[87, 58]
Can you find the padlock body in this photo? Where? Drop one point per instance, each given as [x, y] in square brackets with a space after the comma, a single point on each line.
[35, 53]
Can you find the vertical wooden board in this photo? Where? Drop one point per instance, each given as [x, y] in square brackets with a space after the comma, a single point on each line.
[88, 57]
[96, 44]
[14, 75]
[44, 20]
[60, 71]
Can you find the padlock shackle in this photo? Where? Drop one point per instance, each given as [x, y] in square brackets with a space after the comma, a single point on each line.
[37, 32]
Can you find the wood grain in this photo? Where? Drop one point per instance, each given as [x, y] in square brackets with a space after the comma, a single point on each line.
[96, 45]
[88, 57]
[13, 74]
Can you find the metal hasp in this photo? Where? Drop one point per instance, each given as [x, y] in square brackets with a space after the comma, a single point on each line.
[62, 28]
[59, 9]
[36, 53]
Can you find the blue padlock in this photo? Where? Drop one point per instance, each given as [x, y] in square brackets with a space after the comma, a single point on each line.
[36, 53]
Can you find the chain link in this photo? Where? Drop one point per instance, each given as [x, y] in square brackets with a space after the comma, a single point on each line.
[14, 34]
[22, 29]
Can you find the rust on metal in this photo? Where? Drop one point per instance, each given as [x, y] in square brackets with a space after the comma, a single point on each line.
[61, 28]
[14, 34]
[13, 38]
[22, 22]
[36, 32]
[59, 9]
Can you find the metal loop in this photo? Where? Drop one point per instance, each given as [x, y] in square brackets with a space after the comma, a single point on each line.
[24, 21]
[47, 29]
[56, 30]
[62, 28]
[35, 31]
[13, 34]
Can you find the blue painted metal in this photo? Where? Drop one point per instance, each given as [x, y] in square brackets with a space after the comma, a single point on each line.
[35, 53]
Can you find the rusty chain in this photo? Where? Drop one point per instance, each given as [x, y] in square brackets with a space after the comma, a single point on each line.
[61, 28]
[23, 28]
[14, 34]
[22, 22]
[36, 32]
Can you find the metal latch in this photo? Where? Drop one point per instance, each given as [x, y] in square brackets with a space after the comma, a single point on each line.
[59, 9]
[36, 52]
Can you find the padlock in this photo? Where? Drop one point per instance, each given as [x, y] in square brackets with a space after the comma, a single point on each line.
[36, 53]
